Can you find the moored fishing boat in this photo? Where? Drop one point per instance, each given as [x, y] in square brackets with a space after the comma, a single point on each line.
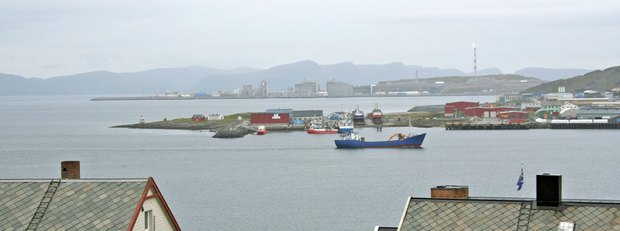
[376, 115]
[261, 130]
[353, 140]
[345, 126]
[317, 128]
[322, 131]
[358, 116]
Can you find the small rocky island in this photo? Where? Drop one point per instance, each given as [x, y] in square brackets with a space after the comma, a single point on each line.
[238, 125]
[231, 126]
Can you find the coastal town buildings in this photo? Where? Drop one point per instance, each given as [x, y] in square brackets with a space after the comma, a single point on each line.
[247, 91]
[72, 203]
[306, 89]
[453, 109]
[262, 89]
[486, 112]
[338, 89]
[513, 116]
[549, 109]
[303, 117]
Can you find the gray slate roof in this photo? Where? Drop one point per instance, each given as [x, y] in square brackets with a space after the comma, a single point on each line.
[18, 202]
[76, 204]
[504, 214]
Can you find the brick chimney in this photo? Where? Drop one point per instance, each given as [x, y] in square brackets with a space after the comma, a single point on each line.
[70, 170]
[450, 191]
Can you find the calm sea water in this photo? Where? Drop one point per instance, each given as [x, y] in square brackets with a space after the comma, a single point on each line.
[291, 180]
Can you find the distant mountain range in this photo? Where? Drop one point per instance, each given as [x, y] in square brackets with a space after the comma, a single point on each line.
[211, 80]
[600, 81]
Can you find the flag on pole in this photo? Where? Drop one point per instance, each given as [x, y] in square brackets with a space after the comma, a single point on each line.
[520, 181]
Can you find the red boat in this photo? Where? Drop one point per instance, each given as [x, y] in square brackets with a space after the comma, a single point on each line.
[261, 130]
[322, 131]
[317, 128]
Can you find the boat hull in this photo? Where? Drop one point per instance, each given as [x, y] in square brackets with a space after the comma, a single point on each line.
[410, 142]
[322, 131]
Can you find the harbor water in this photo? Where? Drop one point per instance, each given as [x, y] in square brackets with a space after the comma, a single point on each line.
[292, 180]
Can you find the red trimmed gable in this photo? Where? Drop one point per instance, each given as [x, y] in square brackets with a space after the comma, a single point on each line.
[151, 186]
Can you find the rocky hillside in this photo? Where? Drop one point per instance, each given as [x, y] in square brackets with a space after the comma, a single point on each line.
[488, 84]
[598, 80]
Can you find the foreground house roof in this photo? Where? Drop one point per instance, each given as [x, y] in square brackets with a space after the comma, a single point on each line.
[507, 214]
[451, 208]
[80, 204]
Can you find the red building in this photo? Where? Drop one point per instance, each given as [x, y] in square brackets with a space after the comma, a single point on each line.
[452, 109]
[514, 116]
[486, 112]
[198, 118]
[269, 118]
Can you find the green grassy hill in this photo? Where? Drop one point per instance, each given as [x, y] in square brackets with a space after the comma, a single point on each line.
[600, 81]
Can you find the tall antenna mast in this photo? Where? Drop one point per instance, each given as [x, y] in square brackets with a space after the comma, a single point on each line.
[475, 67]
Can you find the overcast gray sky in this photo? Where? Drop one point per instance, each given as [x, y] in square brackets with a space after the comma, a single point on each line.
[59, 37]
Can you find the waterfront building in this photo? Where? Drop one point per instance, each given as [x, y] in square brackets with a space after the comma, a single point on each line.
[486, 112]
[451, 208]
[597, 112]
[215, 117]
[549, 109]
[513, 116]
[338, 89]
[454, 108]
[531, 105]
[306, 89]
[270, 119]
[302, 117]
[198, 118]
[72, 203]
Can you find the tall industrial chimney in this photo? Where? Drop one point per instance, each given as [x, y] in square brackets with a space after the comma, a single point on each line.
[70, 170]
[475, 65]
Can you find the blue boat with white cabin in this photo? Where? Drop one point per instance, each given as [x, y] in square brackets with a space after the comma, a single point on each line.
[354, 140]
